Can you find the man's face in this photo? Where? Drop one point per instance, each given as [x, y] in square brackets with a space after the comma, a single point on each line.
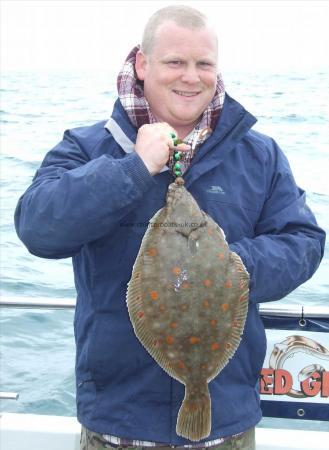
[180, 74]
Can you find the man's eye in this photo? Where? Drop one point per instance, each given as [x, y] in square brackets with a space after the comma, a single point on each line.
[176, 62]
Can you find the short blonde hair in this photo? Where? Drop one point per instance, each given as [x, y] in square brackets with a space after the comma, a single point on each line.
[182, 15]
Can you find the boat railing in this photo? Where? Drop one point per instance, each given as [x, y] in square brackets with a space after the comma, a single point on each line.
[301, 311]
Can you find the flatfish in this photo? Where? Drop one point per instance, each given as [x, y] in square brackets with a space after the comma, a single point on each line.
[187, 300]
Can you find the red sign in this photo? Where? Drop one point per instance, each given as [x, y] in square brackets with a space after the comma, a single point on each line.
[280, 382]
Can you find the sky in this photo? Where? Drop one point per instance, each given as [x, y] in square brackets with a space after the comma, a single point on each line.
[76, 35]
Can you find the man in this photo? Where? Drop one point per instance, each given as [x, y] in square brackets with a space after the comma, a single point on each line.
[97, 185]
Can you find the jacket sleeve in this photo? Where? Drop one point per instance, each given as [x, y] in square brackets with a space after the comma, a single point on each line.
[74, 200]
[288, 244]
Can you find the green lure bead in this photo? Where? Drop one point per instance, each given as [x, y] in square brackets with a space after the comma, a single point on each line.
[174, 138]
[177, 166]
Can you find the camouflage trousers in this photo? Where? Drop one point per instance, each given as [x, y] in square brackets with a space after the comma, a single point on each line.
[95, 441]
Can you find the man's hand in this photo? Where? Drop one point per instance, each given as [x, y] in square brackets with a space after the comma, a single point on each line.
[154, 143]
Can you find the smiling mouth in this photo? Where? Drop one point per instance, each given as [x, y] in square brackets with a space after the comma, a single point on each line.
[186, 93]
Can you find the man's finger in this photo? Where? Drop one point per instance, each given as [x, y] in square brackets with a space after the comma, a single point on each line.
[182, 147]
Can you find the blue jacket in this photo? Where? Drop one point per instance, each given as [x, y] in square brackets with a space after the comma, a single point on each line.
[91, 200]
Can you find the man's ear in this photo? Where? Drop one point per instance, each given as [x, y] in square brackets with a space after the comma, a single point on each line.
[140, 65]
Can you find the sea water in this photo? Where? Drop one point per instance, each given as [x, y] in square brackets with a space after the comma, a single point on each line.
[37, 346]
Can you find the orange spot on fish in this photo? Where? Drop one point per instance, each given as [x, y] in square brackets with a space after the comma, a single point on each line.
[210, 231]
[207, 282]
[140, 314]
[204, 366]
[185, 285]
[214, 346]
[194, 340]
[206, 304]
[228, 284]
[221, 256]
[154, 295]
[162, 308]
[243, 298]
[152, 251]
[181, 365]
[173, 325]
[156, 343]
[225, 307]
[169, 340]
[213, 322]
[176, 270]
[228, 346]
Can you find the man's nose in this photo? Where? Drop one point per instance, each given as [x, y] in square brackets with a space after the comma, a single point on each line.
[191, 74]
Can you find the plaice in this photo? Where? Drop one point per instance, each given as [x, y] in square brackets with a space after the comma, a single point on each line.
[188, 300]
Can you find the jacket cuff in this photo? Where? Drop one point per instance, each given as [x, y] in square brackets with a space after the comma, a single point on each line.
[135, 168]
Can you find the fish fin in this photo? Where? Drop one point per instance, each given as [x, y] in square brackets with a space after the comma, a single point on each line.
[194, 416]
[241, 309]
[240, 314]
[135, 305]
[144, 334]
[240, 267]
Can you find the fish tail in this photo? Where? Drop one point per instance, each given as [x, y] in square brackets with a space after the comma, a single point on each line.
[194, 416]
